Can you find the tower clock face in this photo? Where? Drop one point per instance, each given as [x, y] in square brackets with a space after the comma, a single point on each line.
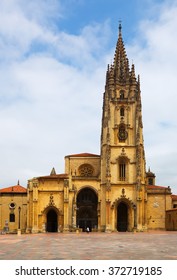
[122, 134]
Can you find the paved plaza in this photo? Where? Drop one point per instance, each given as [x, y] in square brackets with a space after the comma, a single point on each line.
[158, 245]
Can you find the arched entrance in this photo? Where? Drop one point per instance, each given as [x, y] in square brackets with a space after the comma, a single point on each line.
[122, 217]
[87, 202]
[52, 221]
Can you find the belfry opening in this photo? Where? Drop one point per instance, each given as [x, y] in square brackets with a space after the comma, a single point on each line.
[87, 202]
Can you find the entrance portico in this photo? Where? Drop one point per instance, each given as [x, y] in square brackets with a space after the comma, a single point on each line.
[52, 221]
[123, 215]
[87, 201]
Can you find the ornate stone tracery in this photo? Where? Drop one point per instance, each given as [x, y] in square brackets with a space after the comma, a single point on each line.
[86, 170]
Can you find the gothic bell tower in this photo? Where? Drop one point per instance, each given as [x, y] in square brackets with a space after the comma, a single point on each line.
[123, 190]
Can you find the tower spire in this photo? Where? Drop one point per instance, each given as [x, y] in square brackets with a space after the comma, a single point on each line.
[121, 63]
[122, 148]
[53, 172]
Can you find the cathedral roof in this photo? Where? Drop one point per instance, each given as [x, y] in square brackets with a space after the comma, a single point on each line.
[83, 155]
[14, 189]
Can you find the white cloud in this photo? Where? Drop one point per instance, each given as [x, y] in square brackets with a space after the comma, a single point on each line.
[48, 108]
[156, 61]
[48, 115]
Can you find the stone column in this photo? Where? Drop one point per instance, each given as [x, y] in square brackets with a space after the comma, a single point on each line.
[108, 212]
[66, 206]
[35, 218]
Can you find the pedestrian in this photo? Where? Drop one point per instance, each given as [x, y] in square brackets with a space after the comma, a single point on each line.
[87, 230]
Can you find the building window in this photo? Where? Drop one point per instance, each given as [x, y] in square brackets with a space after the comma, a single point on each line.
[12, 205]
[12, 218]
[121, 94]
[122, 171]
[122, 111]
[150, 181]
[86, 170]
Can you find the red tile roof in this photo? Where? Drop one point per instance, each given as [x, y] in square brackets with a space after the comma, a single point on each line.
[173, 209]
[83, 155]
[14, 189]
[54, 176]
[156, 187]
[174, 197]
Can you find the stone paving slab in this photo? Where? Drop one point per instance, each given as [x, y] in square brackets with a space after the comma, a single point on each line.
[157, 245]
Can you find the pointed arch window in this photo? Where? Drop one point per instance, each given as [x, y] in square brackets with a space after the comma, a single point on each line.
[123, 169]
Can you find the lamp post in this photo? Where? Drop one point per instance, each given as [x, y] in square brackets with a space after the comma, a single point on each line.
[19, 230]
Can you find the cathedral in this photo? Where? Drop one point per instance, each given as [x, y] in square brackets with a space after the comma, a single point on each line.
[108, 192]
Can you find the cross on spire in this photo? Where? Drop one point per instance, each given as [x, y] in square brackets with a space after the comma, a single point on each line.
[120, 27]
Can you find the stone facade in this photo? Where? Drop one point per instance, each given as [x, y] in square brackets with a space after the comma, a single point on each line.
[171, 215]
[171, 219]
[159, 201]
[174, 201]
[13, 209]
[57, 195]
[107, 192]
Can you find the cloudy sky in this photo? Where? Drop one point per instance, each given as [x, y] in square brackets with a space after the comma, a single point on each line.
[53, 60]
